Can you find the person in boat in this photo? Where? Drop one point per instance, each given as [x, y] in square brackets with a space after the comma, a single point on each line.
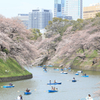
[73, 78]
[89, 97]
[18, 98]
[61, 69]
[54, 88]
[27, 90]
[84, 74]
[10, 84]
[81, 71]
[45, 69]
[51, 87]
[54, 81]
[49, 81]
[21, 97]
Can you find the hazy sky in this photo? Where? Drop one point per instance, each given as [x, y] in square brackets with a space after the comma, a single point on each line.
[11, 8]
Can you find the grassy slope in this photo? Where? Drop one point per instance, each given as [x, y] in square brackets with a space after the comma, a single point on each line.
[10, 68]
[90, 56]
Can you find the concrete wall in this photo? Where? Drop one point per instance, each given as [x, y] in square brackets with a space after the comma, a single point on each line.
[7, 79]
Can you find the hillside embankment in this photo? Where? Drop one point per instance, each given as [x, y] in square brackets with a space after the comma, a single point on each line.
[74, 44]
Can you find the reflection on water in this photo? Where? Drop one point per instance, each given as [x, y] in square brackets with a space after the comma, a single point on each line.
[66, 91]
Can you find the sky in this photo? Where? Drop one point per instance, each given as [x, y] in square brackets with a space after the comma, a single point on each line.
[11, 8]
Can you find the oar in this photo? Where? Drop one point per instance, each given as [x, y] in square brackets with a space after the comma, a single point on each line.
[33, 90]
[20, 91]
[69, 80]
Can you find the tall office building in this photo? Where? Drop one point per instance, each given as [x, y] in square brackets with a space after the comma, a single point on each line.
[71, 8]
[39, 18]
[90, 11]
[24, 18]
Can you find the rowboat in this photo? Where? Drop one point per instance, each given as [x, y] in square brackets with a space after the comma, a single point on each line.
[8, 86]
[51, 91]
[73, 80]
[80, 71]
[56, 69]
[27, 93]
[38, 66]
[76, 73]
[85, 76]
[53, 83]
[50, 65]
[62, 69]
[63, 72]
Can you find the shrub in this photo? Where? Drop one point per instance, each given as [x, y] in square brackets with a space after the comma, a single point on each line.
[98, 15]
[6, 51]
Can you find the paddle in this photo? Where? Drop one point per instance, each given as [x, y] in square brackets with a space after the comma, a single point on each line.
[30, 91]
[71, 80]
[33, 90]
[20, 91]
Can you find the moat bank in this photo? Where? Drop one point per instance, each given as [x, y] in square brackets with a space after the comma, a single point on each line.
[16, 78]
[10, 70]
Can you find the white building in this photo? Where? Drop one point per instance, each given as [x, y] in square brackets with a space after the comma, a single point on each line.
[39, 18]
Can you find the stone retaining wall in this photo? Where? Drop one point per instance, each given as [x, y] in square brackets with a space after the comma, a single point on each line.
[16, 78]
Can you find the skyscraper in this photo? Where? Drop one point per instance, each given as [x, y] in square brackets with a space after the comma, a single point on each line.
[39, 18]
[71, 8]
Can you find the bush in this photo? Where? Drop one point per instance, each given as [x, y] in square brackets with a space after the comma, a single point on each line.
[6, 51]
[98, 15]
[50, 22]
[36, 33]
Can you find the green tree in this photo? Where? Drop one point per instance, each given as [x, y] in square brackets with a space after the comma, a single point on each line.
[55, 19]
[50, 22]
[98, 15]
[80, 20]
[65, 20]
[36, 33]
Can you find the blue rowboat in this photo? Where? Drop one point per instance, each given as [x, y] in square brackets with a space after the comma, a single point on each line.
[8, 86]
[85, 76]
[38, 66]
[51, 91]
[76, 73]
[50, 65]
[27, 93]
[73, 80]
[44, 68]
[65, 68]
[53, 83]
